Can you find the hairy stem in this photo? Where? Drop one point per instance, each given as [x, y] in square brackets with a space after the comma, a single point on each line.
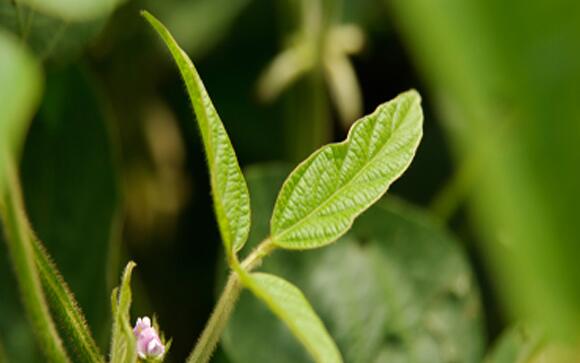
[22, 255]
[225, 306]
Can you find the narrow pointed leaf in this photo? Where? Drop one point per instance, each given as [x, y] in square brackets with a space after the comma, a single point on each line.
[65, 308]
[289, 304]
[230, 192]
[123, 344]
[324, 194]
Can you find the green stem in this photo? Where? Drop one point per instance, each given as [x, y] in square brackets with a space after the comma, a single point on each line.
[223, 310]
[22, 256]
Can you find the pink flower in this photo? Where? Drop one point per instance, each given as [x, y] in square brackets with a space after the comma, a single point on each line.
[148, 343]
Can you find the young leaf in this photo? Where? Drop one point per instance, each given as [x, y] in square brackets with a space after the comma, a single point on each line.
[123, 344]
[324, 194]
[290, 305]
[230, 192]
[63, 303]
[396, 288]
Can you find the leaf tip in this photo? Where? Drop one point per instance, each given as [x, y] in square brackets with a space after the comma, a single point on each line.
[413, 93]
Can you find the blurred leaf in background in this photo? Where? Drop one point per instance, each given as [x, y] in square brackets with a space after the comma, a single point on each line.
[19, 101]
[199, 25]
[70, 187]
[72, 10]
[51, 36]
[396, 288]
[507, 78]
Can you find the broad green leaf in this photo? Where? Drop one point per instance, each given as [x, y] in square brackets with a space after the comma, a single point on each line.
[230, 192]
[290, 305]
[396, 288]
[69, 183]
[73, 10]
[324, 194]
[123, 343]
[20, 85]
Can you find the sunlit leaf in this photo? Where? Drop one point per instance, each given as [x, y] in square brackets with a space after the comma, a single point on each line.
[324, 194]
[396, 288]
[290, 305]
[230, 192]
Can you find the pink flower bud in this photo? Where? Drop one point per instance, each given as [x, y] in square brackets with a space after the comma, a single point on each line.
[148, 343]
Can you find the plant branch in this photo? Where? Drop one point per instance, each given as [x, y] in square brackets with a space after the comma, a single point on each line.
[225, 306]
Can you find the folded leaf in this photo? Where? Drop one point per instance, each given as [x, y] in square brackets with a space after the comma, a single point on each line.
[290, 305]
[324, 194]
[230, 192]
[123, 344]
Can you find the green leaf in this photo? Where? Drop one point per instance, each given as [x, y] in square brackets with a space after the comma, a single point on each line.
[123, 344]
[65, 308]
[230, 192]
[49, 37]
[74, 10]
[324, 194]
[290, 305]
[396, 288]
[20, 85]
[199, 25]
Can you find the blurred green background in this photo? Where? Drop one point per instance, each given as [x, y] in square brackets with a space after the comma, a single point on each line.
[479, 235]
